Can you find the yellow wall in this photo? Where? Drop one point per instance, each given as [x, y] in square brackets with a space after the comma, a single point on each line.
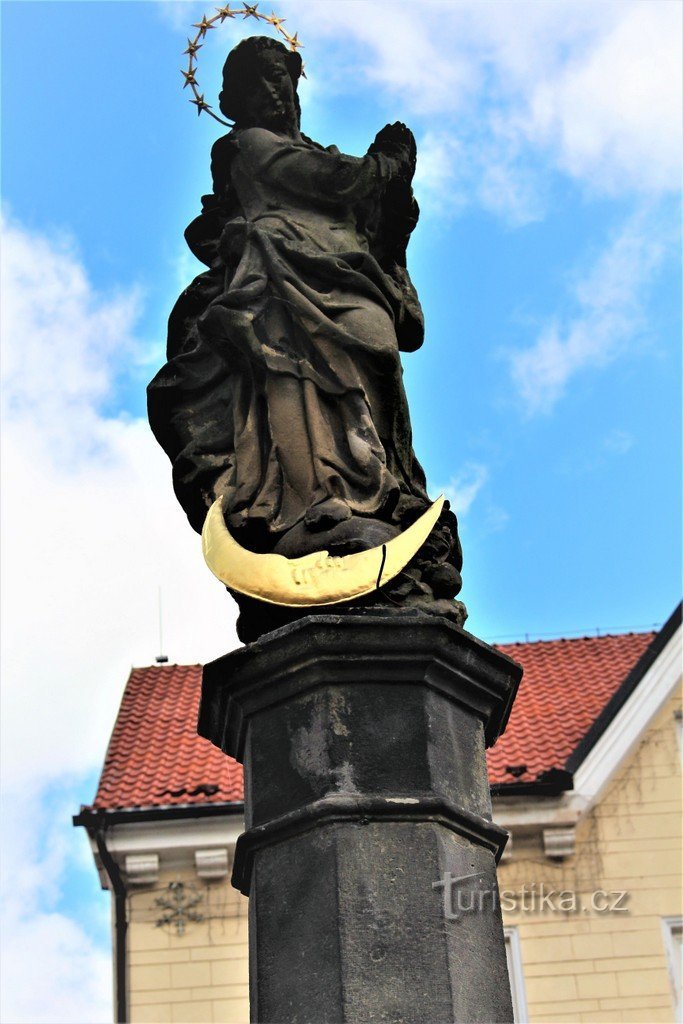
[199, 976]
[609, 967]
[577, 967]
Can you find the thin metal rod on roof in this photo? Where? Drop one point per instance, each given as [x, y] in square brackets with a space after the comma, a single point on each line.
[599, 631]
[161, 658]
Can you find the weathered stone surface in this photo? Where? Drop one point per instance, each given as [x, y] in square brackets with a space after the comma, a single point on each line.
[363, 741]
[348, 927]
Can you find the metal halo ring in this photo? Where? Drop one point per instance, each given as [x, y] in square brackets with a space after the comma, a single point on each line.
[203, 26]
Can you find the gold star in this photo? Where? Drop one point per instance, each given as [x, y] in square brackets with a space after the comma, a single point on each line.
[275, 21]
[203, 25]
[189, 77]
[200, 103]
[225, 12]
[192, 47]
[293, 41]
[251, 12]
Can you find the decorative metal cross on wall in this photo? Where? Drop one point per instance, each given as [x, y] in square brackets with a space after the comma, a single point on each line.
[178, 905]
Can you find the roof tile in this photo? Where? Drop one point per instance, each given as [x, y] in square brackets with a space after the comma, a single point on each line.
[155, 757]
[565, 686]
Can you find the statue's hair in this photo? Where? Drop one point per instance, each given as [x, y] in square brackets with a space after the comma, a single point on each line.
[241, 69]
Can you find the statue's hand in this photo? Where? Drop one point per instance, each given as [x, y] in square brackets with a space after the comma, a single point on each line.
[397, 141]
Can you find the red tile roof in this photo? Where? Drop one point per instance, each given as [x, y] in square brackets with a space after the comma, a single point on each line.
[565, 686]
[156, 759]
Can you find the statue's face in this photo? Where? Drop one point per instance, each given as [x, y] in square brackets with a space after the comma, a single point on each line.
[272, 99]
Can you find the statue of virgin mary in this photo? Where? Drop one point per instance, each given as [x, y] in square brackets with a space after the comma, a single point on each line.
[283, 391]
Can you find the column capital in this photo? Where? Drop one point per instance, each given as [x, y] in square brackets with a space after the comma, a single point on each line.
[405, 648]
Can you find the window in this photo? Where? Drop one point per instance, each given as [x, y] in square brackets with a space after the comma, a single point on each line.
[514, 959]
[673, 941]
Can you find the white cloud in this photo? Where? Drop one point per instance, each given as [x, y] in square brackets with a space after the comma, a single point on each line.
[618, 442]
[613, 113]
[464, 487]
[90, 531]
[51, 969]
[402, 49]
[91, 526]
[495, 519]
[53, 973]
[504, 187]
[501, 96]
[440, 157]
[179, 14]
[509, 93]
[453, 172]
[609, 317]
[47, 377]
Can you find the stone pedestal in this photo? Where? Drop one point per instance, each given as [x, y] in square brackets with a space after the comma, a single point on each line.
[366, 792]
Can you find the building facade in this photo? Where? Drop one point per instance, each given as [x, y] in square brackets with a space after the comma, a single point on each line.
[587, 779]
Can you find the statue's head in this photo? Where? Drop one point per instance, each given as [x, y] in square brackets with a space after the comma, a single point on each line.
[260, 80]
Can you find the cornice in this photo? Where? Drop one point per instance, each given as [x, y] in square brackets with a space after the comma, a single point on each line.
[199, 844]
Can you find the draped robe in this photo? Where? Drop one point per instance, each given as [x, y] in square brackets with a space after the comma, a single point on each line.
[283, 386]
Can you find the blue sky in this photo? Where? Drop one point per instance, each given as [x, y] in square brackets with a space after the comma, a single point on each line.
[545, 400]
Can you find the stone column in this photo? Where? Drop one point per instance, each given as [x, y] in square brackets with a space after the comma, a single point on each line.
[370, 855]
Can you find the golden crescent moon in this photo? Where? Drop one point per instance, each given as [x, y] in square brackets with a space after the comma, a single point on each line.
[318, 578]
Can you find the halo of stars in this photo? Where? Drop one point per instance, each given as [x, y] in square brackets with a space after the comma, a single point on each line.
[204, 26]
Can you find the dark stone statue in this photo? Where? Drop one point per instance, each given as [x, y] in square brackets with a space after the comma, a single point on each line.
[283, 389]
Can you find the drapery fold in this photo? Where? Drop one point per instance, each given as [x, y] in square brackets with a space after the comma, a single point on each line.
[283, 386]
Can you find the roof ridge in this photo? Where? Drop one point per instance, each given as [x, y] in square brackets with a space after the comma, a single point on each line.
[573, 639]
[167, 665]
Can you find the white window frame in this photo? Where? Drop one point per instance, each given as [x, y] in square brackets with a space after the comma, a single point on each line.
[513, 951]
[672, 930]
